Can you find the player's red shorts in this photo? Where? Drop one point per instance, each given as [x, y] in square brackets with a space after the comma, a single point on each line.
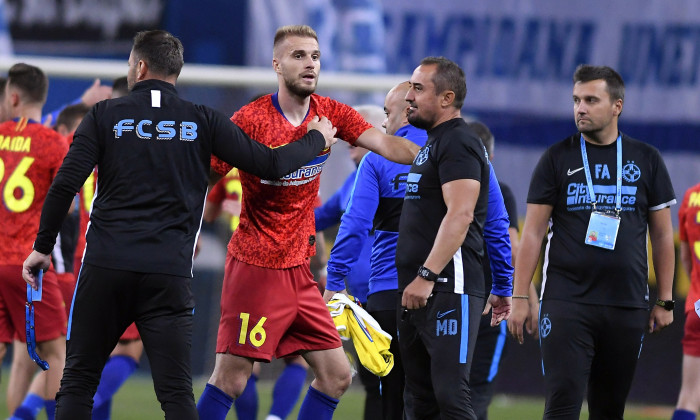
[268, 313]
[6, 332]
[66, 282]
[49, 314]
[131, 333]
[691, 335]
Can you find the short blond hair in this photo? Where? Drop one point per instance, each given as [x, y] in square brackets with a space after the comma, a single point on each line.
[284, 32]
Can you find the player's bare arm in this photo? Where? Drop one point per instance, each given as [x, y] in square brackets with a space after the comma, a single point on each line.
[532, 321]
[663, 256]
[396, 149]
[460, 197]
[534, 229]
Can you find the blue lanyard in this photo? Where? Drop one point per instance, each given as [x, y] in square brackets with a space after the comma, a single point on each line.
[618, 184]
[31, 335]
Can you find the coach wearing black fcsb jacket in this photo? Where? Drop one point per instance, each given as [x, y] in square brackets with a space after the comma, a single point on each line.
[598, 191]
[153, 151]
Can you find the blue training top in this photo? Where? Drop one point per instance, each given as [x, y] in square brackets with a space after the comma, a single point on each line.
[328, 215]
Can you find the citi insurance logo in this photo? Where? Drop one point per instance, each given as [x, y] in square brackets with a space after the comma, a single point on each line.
[577, 194]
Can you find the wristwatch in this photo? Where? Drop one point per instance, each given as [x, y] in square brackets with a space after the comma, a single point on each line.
[427, 274]
[666, 304]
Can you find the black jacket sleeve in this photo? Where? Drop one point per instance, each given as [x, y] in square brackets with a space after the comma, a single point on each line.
[76, 167]
[232, 145]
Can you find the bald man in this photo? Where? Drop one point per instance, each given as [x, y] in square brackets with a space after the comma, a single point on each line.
[376, 204]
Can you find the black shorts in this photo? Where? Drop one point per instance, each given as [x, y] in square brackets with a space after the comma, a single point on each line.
[106, 302]
[589, 346]
[437, 346]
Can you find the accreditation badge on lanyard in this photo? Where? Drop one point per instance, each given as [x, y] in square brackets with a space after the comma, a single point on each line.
[603, 226]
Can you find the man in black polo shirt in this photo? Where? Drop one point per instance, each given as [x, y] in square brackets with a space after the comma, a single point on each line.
[439, 249]
[595, 195]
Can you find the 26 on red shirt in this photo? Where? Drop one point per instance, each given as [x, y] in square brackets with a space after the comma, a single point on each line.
[30, 155]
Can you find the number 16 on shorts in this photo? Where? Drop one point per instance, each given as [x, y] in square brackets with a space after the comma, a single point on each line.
[255, 335]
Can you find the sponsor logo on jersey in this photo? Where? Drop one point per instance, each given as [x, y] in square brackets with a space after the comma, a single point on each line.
[577, 194]
[442, 314]
[399, 181]
[545, 326]
[303, 175]
[412, 186]
[570, 172]
[161, 130]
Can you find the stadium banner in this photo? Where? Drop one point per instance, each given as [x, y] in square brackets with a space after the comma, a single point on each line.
[80, 27]
[519, 55]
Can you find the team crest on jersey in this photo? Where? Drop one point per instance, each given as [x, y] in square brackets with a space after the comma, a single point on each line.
[422, 156]
[631, 172]
[545, 326]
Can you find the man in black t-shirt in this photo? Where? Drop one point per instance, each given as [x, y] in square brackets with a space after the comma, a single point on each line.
[598, 191]
[439, 249]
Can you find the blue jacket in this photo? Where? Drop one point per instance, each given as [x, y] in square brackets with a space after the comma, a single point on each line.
[497, 240]
[329, 214]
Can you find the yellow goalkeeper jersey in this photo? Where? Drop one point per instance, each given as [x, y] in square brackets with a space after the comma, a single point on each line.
[370, 341]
